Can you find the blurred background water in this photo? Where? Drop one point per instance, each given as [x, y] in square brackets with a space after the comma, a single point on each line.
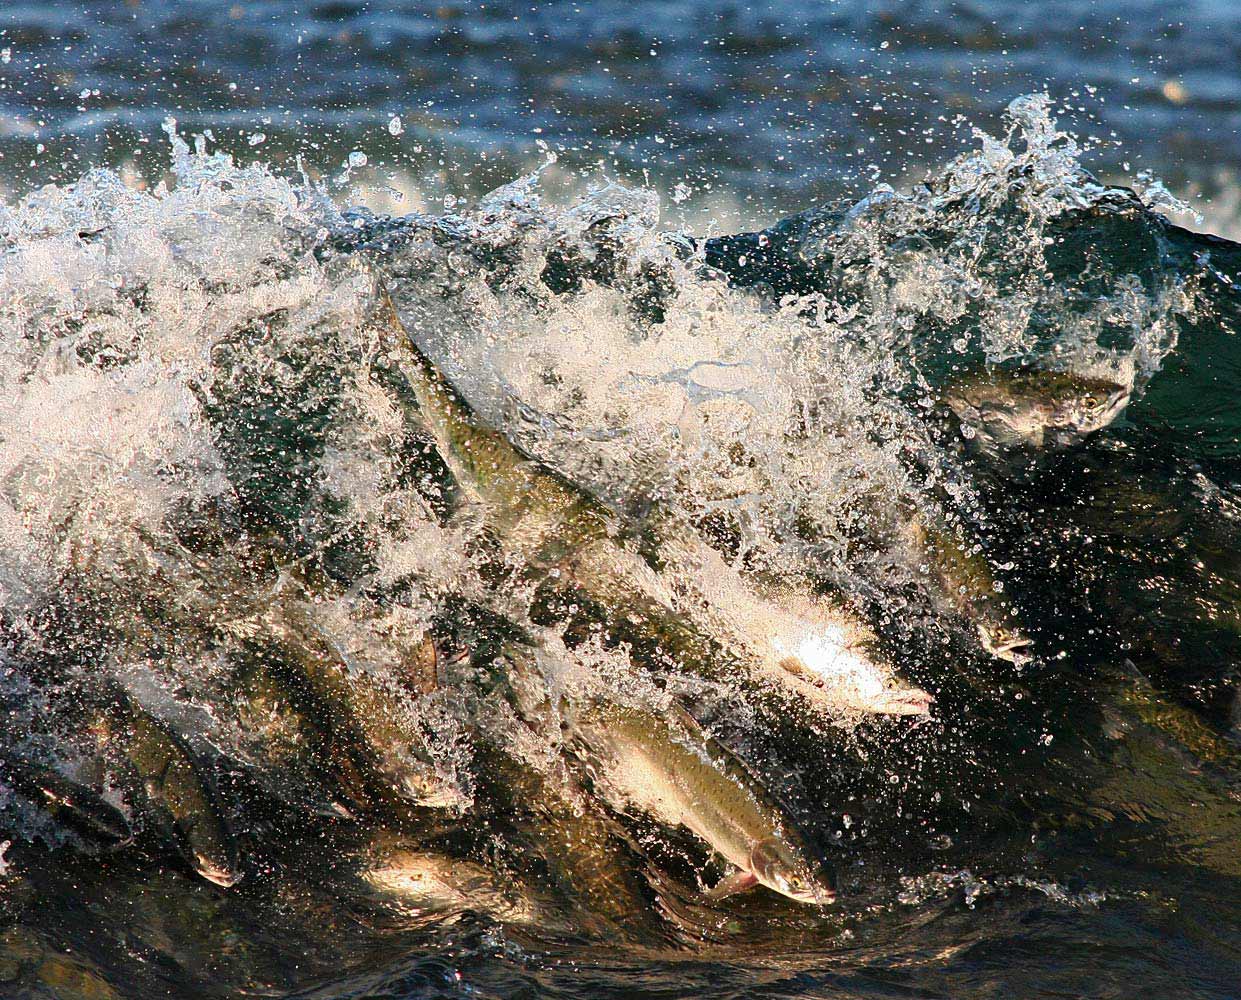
[739, 112]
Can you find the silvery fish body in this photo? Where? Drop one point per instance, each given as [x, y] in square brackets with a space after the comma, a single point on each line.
[177, 786]
[421, 883]
[681, 778]
[553, 528]
[1002, 411]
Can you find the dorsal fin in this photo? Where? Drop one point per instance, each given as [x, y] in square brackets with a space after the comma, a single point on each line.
[694, 729]
[687, 722]
[745, 772]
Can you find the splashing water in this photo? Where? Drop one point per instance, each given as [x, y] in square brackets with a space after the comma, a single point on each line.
[183, 353]
[208, 461]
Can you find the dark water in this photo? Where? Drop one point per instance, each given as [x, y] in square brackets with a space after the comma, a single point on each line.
[1068, 828]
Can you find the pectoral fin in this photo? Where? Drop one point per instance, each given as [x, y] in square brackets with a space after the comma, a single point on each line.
[730, 885]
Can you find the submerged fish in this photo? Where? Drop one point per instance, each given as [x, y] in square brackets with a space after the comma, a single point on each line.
[1172, 780]
[559, 834]
[681, 778]
[81, 807]
[555, 529]
[966, 579]
[32, 966]
[1138, 697]
[580, 849]
[426, 883]
[177, 788]
[355, 727]
[1006, 410]
[287, 754]
[382, 753]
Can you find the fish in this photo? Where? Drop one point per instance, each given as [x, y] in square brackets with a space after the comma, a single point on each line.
[1001, 411]
[286, 754]
[81, 807]
[31, 965]
[177, 787]
[560, 834]
[555, 530]
[1170, 777]
[420, 882]
[380, 745]
[782, 629]
[1234, 715]
[681, 778]
[158, 932]
[1137, 696]
[534, 795]
[356, 720]
[967, 581]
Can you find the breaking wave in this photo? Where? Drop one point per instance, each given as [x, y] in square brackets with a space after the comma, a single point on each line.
[200, 422]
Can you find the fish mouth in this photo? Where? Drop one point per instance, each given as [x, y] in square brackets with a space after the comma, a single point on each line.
[1118, 406]
[818, 896]
[815, 894]
[896, 701]
[340, 811]
[430, 794]
[1015, 652]
[902, 701]
[212, 871]
[1015, 648]
[809, 891]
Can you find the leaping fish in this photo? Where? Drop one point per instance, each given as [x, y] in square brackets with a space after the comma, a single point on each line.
[681, 778]
[824, 655]
[177, 787]
[1002, 411]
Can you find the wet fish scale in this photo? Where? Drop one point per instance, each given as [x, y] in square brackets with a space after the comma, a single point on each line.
[551, 525]
[681, 780]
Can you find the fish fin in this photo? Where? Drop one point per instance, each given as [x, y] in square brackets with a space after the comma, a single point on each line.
[1135, 674]
[693, 728]
[689, 919]
[730, 885]
[686, 721]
